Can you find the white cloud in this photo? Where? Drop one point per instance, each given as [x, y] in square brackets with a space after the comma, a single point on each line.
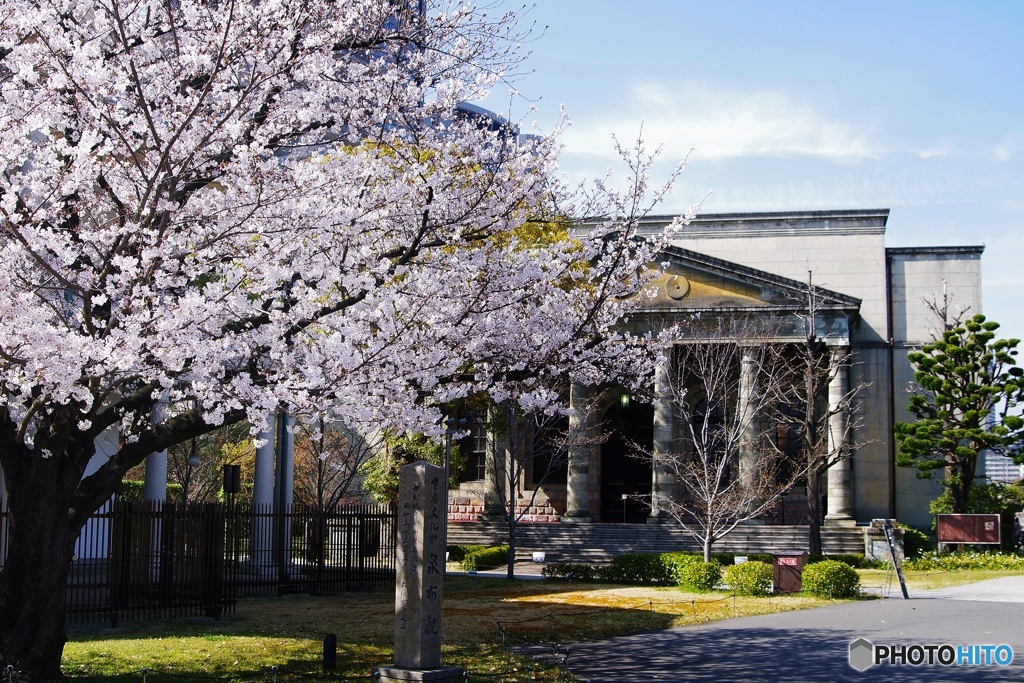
[719, 124]
[940, 150]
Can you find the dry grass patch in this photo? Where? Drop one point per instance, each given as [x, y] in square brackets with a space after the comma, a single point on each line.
[600, 611]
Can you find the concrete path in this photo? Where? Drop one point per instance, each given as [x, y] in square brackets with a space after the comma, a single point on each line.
[1003, 589]
[813, 645]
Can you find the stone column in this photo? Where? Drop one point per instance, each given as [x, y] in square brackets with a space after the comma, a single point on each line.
[154, 492]
[577, 504]
[748, 421]
[262, 541]
[662, 485]
[747, 399]
[154, 488]
[840, 475]
[419, 577]
[495, 473]
[105, 447]
[284, 485]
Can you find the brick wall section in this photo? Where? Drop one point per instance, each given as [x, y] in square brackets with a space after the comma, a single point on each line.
[463, 509]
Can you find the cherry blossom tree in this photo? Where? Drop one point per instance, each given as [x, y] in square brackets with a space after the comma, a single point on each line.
[236, 206]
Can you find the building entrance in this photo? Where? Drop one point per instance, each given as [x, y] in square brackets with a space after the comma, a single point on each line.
[624, 474]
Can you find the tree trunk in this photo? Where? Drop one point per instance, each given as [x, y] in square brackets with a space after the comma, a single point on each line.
[33, 583]
[511, 549]
[813, 513]
[707, 546]
[962, 477]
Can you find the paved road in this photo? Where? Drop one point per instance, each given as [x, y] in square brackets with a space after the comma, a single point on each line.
[813, 645]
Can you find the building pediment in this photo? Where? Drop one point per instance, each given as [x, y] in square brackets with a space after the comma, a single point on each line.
[692, 282]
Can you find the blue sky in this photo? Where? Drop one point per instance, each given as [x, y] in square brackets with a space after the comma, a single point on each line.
[913, 106]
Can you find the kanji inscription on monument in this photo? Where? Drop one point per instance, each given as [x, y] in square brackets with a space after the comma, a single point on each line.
[422, 498]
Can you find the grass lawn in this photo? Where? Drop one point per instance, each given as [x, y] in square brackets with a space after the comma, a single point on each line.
[924, 580]
[479, 615]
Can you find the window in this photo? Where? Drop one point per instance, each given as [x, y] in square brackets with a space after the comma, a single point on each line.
[473, 448]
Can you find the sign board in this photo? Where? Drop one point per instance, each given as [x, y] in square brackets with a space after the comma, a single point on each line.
[969, 529]
[788, 561]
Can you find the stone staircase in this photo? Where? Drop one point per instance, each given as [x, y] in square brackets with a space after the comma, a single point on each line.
[596, 543]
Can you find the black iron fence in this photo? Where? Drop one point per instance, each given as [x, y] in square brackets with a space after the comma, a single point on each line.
[150, 560]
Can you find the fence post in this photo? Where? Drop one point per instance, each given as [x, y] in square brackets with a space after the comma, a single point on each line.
[201, 562]
[330, 652]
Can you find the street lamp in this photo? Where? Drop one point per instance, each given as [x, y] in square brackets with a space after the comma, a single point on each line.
[191, 462]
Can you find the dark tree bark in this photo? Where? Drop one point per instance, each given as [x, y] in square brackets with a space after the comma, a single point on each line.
[814, 545]
[43, 526]
[49, 500]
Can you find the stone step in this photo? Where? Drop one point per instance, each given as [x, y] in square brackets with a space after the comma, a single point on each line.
[602, 542]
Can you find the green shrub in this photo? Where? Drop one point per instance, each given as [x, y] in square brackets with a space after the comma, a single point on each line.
[701, 576]
[855, 561]
[131, 491]
[577, 571]
[457, 552]
[675, 563]
[760, 557]
[750, 578]
[969, 560]
[486, 558]
[915, 542]
[831, 579]
[638, 568]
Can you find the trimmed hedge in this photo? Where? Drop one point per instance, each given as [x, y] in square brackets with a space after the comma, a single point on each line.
[641, 568]
[576, 571]
[674, 568]
[457, 552]
[131, 491]
[701, 576]
[750, 578]
[485, 558]
[831, 579]
[677, 562]
[855, 561]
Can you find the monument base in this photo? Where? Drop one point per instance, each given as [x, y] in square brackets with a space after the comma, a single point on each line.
[445, 674]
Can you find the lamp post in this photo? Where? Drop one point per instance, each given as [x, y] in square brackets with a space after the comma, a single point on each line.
[191, 462]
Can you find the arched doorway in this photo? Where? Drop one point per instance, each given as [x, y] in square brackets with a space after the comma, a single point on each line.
[622, 473]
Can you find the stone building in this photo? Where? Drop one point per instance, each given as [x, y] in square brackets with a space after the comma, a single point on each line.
[873, 306]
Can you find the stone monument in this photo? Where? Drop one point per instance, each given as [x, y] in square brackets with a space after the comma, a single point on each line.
[422, 515]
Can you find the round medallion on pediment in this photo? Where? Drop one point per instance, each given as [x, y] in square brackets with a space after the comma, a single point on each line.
[677, 287]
